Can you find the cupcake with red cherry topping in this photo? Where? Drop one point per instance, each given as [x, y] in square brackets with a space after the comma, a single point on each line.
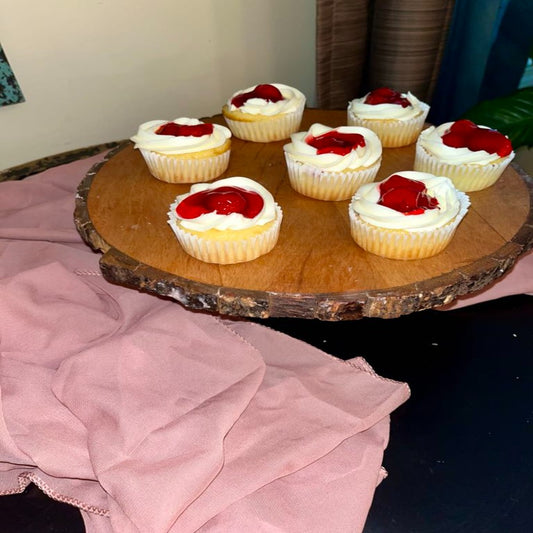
[331, 163]
[472, 156]
[185, 150]
[397, 118]
[229, 221]
[265, 112]
[409, 215]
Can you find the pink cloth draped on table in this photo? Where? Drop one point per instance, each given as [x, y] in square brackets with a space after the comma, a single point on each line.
[152, 418]
[519, 280]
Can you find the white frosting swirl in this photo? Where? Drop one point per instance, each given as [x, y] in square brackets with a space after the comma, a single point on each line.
[362, 156]
[147, 139]
[233, 221]
[365, 203]
[293, 100]
[359, 109]
[431, 140]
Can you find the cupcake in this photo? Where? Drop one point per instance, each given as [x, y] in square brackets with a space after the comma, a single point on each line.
[264, 113]
[331, 163]
[397, 118]
[409, 215]
[229, 221]
[472, 156]
[185, 150]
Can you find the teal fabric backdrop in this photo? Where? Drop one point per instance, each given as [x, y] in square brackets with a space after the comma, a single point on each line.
[485, 56]
[10, 92]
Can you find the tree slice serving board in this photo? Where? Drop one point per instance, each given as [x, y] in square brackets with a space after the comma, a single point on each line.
[316, 270]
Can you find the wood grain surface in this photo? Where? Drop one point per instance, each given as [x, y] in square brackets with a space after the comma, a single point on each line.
[316, 270]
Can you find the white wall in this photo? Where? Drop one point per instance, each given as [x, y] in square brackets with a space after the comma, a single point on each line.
[93, 70]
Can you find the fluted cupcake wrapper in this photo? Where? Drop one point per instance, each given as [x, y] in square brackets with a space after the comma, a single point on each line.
[392, 133]
[327, 185]
[229, 251]
[268, 129]
[185, 170]
[403, 244]
[466, 178]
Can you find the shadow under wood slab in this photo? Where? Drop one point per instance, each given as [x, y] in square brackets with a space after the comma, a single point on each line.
[316, 270]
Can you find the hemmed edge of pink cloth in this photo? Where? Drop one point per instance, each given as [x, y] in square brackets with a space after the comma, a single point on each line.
[26, 478]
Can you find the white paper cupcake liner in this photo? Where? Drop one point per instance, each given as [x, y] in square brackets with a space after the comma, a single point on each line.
[185, 170]
[466, 178]
[326, 185]
[268, 129]
[403, 244]
[229, 251]
[392, 133]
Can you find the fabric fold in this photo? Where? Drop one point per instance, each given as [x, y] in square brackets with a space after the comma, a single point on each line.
[157, 420]
[153, 418]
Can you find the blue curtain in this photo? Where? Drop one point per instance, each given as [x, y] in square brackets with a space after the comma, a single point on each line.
[10, 92]
[487, 50]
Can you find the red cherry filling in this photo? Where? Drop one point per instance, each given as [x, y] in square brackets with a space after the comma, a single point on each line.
[384, 95]
[463, 127]
[406, 196]
[465, 134]
[334, 142]
[264, 91]
[223, 201]
[185, 130]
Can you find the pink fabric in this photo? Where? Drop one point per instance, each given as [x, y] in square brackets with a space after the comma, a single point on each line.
[153, 418]
[518, 280]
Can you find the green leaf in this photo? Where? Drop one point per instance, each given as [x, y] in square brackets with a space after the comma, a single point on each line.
[511, 115]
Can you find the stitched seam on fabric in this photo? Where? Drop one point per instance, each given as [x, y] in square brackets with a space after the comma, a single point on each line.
[23, 483]
[29, 477]
[366, 368]
[80, 272]
[235, 334]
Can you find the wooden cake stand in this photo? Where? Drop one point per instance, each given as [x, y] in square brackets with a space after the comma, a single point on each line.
[316, 270]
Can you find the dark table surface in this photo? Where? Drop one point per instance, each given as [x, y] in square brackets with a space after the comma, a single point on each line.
[460, 458]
